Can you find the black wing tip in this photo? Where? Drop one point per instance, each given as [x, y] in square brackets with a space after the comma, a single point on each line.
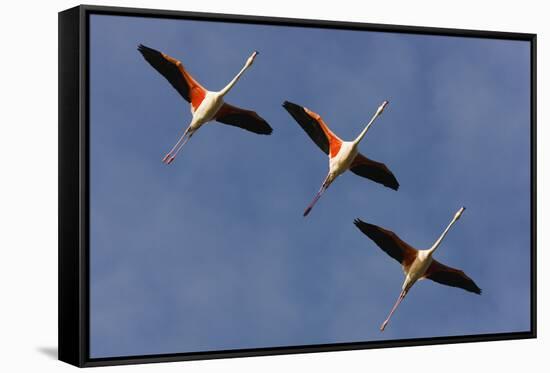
[368, 229]
[268, 130]
[146, 51]
[393, 185]
[143, 48]
[265, 129]
[291, 105]
[362, 225]
[259, 126]
[391, 181]
[294, 110]
[470, 286]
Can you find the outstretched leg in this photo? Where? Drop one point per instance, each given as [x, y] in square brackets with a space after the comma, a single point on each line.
[324, 187]
[171, 155]
[401, 296]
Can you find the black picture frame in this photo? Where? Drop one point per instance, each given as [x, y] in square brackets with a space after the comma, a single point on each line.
[74, 187]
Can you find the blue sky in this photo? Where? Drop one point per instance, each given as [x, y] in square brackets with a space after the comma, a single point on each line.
[212, 252]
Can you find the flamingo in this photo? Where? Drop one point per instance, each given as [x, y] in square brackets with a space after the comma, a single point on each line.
[205, 105]
[417, 264]
[343, 155]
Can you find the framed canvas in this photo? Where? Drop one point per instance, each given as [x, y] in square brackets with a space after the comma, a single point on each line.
[191, 151]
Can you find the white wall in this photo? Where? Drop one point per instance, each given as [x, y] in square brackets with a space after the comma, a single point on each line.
[28, 183]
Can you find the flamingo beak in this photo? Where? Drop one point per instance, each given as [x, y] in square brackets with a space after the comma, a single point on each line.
[382, 107]
[459, 213]
[250, 60]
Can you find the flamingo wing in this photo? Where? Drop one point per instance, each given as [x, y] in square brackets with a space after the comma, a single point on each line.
[451, 277]
[175, 73]
[389, 242]
[374, 171]
[242, 118]
[315, 127]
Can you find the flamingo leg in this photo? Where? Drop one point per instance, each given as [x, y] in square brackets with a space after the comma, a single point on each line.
[401, 296]
[171, 155]
[323, 188]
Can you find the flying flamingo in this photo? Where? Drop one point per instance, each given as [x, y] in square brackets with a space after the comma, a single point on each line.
[205, 105]
[343, 155]
[417, 264]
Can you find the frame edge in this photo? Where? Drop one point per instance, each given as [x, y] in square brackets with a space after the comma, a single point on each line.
[69, 248]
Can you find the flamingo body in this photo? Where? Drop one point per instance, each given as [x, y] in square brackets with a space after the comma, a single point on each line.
[342, 160]
[206, 110]
[417, 270]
